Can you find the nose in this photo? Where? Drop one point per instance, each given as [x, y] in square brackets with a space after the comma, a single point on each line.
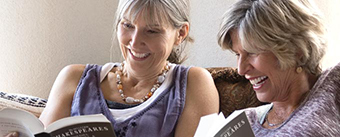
[137, 39]
[243, 65]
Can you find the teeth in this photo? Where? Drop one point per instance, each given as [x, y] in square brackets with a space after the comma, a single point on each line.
[257, 80]
[140, 55]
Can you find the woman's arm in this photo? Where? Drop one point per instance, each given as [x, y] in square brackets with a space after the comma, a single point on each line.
[201, 99]
[60, 99]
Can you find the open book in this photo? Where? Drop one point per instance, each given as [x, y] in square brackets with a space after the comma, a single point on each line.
[216, 125]
[29, 125]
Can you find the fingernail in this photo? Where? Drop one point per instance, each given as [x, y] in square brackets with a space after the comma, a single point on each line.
[14, 134]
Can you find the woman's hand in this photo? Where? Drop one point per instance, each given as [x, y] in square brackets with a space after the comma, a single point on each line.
[12, 134]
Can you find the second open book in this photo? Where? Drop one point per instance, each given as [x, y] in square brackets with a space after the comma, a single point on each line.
[216, 125]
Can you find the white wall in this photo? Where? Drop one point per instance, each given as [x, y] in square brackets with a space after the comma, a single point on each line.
[206, 18]
[331, 11]
[39, 37]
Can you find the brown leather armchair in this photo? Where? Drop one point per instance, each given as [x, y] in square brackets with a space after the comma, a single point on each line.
[235, 91]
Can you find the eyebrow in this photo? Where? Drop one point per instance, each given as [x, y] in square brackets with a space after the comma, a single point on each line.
[154, 26]
[149, 25]
[124, 18]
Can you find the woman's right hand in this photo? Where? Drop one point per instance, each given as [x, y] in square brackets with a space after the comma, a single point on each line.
[12, 134]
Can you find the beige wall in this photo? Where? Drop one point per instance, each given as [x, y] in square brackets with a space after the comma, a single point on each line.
[206, 18]
[331, 11]
[39, 37]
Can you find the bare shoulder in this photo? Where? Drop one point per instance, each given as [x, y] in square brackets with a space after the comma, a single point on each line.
[72, 70]
[200, 78]
[201, 99]
[61, 95]
[198, 72]
[68, 79]
[201, 87]
[200, 82]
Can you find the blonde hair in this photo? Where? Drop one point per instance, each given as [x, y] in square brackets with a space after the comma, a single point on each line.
[291, 29]
[173, 13]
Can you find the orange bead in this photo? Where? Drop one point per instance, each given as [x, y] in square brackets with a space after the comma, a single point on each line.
[120, 86]
[150, 94]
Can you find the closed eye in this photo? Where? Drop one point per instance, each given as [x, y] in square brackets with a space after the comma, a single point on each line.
[153, 31]
[127, 25]
[253, 54]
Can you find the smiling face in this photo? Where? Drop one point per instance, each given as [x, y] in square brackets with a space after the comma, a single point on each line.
[269, 81]
[144, 45]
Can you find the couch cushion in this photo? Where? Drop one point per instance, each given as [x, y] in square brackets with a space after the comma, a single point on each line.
[234, 90]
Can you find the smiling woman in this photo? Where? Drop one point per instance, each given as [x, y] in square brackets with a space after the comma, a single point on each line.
[279, 45]
[149, 94]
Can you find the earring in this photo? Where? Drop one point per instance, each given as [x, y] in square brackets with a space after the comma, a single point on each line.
[298, 70]
[179, 40]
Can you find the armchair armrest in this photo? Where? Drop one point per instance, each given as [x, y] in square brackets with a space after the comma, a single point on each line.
[31, 104]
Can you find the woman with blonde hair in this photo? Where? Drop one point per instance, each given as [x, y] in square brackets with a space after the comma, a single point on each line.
[149, 94]
[279, 45]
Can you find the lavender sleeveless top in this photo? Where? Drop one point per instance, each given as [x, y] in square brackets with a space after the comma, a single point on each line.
[317, 116]
[158, 119]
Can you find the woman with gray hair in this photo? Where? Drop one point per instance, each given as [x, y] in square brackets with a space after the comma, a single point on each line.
[279, 45]
[149, 94]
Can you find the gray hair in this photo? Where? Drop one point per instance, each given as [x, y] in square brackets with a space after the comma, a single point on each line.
[173, 13]
[291, 29]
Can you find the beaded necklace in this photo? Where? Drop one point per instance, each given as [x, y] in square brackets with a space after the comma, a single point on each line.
[130, 100]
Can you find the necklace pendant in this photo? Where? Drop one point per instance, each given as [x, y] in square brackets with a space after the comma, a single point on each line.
[129, 100]
[160, 79]
[271, 125]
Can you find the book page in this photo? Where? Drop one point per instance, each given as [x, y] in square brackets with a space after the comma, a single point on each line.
[10, 125]
[235, 125]
[76, 120]
[19, 120]
[209, 125]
